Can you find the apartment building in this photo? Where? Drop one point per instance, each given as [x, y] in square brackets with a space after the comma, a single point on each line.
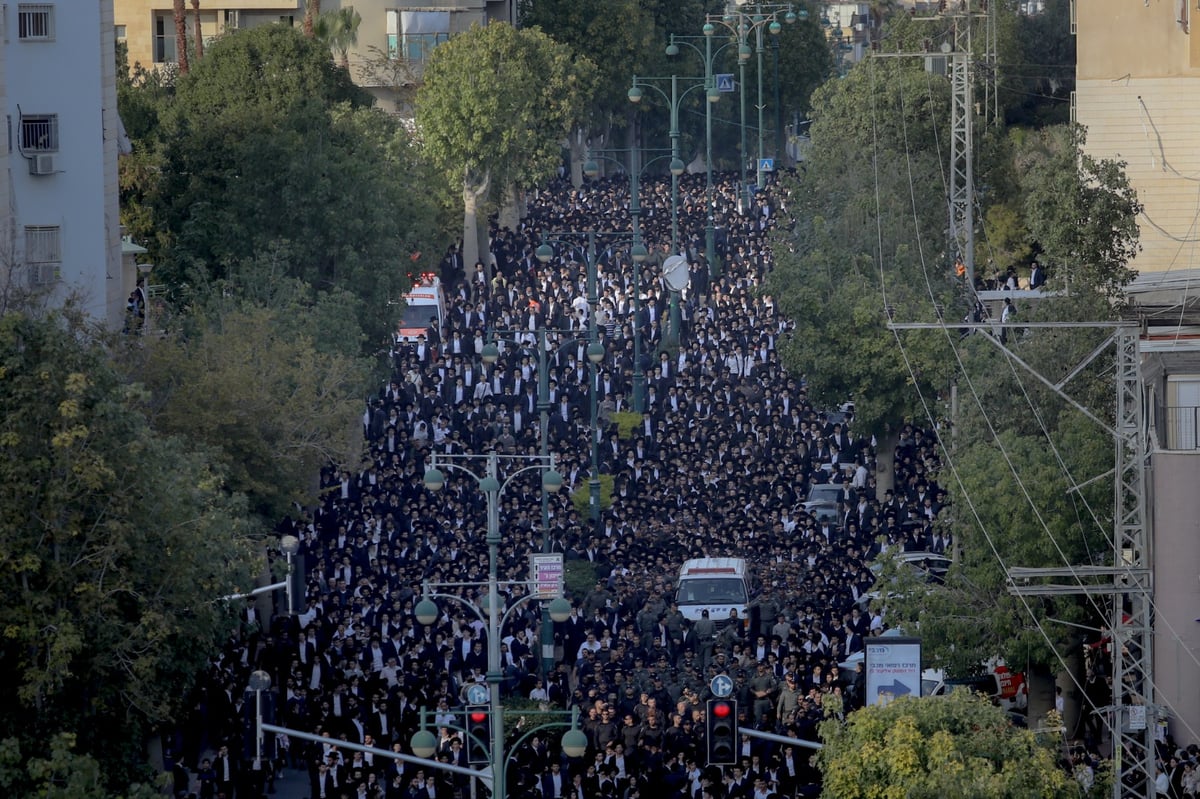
[1138, 95]
[394, 37]
[58, 190]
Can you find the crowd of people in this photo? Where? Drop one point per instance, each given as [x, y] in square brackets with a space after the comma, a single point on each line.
[718, 464]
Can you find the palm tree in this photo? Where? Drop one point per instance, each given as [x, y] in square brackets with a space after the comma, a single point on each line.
[181, 36]
[312, 10]
[199, 37]
[338, 30]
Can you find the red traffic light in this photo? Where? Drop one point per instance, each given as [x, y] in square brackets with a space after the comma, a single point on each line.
[721, 709]
[478, 716]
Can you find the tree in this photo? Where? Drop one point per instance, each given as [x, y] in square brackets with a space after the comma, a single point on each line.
[866, 240]
[116, 543]
[269, 148]
[957, 745]
[338, 30]
[199, 32]
[312, 10]
[248, 383]
[181, 57]
[492, 114]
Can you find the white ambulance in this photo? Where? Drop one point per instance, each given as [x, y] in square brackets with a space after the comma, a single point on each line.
[425, 301]
[717, 585]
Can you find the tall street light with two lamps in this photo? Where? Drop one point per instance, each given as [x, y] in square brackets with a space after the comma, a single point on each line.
[743, 18]
[427, 612]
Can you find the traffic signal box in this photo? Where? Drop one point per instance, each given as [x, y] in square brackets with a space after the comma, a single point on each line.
[721, 732]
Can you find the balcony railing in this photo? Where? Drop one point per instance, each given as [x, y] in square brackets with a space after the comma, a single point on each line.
[1183, 427]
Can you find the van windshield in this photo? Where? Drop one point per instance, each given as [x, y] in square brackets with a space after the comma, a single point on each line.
[417, 315]
[712, 591]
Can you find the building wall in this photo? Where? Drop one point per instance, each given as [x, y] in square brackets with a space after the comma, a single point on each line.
[138, 19]
[1175, 507]
[1138, 83]
[71, 76]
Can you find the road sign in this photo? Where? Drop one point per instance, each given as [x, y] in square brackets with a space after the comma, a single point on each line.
[547, 570]
[477, 694]
[725, 82]
[766, 165]
[893, 669]
[721, 686]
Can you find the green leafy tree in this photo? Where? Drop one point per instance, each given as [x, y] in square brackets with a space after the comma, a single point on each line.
[338, 30]
[856, 205]
[252, 387]
[493, 111]
[957, 745]
[116, 543]
[268, 147]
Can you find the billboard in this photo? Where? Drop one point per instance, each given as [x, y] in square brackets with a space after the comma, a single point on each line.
[893, 669]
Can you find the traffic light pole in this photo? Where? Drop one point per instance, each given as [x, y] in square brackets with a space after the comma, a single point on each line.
[780, 739]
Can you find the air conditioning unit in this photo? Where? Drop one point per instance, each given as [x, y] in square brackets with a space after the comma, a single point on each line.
[41, 164]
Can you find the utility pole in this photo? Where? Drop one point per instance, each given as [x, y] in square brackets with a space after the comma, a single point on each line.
[1128, 582]
[1133, 713]
[960, 64]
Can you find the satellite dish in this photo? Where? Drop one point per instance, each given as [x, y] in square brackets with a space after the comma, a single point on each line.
[675, 272]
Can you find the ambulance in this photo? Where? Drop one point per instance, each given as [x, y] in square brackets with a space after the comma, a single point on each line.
[425, 301]
[718, 585]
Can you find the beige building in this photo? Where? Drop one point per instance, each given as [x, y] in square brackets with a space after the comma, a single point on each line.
[1138, 95]
[393, 39]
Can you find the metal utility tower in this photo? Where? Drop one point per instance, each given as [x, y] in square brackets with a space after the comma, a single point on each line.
[1133, 713]
[962, 150]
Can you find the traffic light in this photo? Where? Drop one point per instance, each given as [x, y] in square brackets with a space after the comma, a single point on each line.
[296, 588]
[721, 732]
[479, 735]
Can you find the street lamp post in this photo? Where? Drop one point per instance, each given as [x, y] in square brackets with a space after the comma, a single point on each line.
[490, 354]
[426, 611]
[741, 22]
[677, 167]
[637, 254]
[712, 95]
[595, 353]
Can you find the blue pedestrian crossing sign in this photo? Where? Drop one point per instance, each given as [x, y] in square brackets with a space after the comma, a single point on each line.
[725, 82]
[766, 165]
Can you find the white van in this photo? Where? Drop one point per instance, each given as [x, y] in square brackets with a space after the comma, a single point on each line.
[717, 585]
[423, 302]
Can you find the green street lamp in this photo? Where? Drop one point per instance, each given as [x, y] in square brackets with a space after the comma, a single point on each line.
[742, 20]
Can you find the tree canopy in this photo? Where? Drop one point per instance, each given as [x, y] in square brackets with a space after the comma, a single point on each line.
[933, 747]
[116, 543]
[869, 246]
[248, 382]
[494, 110]
[266, 146]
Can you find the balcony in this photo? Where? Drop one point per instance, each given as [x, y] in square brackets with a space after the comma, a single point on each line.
[1183, 427]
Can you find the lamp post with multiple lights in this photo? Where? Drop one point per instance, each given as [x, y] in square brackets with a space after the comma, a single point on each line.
[743, 19]
[595, 355]
[712, 95]
[427, 612]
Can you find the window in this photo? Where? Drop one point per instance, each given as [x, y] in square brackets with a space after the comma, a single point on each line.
[119, 30]
[35, 22]
[164, 39]
[43, 253]
[1183, 412]
[411, 35]
[39, 134]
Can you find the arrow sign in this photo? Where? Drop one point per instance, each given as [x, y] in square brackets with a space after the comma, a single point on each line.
[725, 82]
[721, 686]
[897, 688]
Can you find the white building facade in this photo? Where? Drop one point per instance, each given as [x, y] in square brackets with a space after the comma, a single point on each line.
[61, 232]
